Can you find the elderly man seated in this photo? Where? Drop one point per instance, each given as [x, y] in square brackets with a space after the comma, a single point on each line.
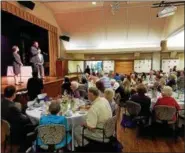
[97, 115]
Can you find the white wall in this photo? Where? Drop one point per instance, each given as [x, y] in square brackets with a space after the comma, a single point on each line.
[156, 61]
[181, 62]
[72, 66]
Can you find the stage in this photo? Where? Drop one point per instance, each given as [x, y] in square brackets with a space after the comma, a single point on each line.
[52, 85]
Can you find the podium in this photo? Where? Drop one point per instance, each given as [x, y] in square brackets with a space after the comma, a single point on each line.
[26, 71]
[61, 68]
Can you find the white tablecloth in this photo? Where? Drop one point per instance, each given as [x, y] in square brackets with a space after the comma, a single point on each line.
[74, 120]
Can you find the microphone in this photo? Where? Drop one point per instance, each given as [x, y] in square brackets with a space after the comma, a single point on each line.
[45, 53]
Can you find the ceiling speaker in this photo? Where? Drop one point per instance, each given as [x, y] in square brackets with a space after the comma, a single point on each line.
[65, 38]
[28, 4]
[164, 45]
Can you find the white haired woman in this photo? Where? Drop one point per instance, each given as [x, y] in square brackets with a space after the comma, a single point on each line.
[166, 99]
[75, 90]
[109, 95]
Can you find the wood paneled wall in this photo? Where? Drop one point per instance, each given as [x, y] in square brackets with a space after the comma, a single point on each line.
[125, 67]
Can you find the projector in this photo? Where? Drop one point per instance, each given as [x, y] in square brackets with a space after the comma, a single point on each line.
[167, 11]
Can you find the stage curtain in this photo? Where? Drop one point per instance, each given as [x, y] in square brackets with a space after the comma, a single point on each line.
[53, 46]
[52, 30]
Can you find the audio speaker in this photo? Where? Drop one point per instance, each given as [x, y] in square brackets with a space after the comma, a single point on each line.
[28, 4]
[65, 38]
[164, 45]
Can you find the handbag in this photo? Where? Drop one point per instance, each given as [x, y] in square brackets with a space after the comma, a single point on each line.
[127, 121]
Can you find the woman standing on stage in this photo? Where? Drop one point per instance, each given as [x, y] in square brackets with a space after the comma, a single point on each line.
[16, 64]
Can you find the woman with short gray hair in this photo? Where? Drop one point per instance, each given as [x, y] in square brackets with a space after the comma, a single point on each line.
[166, 99]
[109, 95]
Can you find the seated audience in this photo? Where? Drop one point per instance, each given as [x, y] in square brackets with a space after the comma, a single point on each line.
[13, 115]
[54, 118]
[172, 81]
[143, 76]
[143, 100]
[106, 80]
[122, 77]
[84, 83]
[175, 69]
[117, 77]
[151, 76]
[162, 83]
[167, 99]
[66, 86]
[127, 89]
[100, 87]
[118, 89]
[139, 81]
[87, 70]
[75, 90]
[124, 91]
[112, 82]
[34, 86]
[180, 81]
[109, 95]
[97, 115]
[133, 80]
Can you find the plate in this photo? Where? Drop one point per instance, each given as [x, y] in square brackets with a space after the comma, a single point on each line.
[82, 112]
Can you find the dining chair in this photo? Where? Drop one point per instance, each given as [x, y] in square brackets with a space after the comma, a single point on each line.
[5, 134]
[165, 115]
[107, 132]
[51, 135]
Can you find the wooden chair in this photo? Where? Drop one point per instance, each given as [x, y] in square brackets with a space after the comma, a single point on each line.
[5, 134]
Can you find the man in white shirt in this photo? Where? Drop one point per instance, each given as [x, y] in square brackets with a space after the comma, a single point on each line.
[40, 64]
[97, 115]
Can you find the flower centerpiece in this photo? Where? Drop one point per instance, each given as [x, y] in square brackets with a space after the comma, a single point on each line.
[67, 103]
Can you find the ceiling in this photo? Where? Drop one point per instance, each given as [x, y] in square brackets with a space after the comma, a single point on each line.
[94, 27]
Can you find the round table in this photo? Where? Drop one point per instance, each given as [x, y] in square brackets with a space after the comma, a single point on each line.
[76, 119]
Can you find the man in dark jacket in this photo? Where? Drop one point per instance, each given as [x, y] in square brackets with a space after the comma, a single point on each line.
[13, 115]
[34, 86]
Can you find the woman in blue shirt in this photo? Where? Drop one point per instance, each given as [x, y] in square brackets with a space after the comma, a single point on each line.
[54, 118]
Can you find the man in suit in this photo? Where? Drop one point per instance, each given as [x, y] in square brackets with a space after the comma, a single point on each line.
[34, 56]
[40, 65]
[11, 113]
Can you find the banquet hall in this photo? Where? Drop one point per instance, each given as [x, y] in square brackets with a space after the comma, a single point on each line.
[92, 76]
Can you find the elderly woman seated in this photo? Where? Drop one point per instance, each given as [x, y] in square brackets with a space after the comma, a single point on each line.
[143, 100]
[109, 95]
[167, 99]
[75, 90]
[54, 118]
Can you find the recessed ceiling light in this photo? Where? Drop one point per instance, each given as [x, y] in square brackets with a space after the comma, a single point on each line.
[93, 3]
